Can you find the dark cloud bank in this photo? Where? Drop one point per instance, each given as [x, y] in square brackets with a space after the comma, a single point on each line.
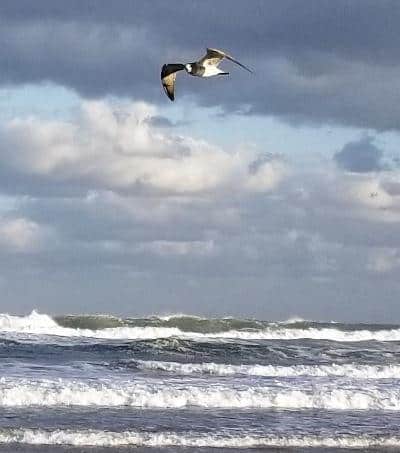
[315, 61]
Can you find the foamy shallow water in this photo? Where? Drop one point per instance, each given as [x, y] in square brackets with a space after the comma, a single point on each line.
[190, 384]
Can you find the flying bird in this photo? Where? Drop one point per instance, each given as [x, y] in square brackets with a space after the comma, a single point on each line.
[205, 67]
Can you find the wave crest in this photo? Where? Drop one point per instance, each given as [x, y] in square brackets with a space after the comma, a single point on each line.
[97, 438]
[164, 394]
[352, 371]
[41, 324]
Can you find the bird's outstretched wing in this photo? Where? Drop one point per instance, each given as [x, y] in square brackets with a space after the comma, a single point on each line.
[214, 56]
[168, 76]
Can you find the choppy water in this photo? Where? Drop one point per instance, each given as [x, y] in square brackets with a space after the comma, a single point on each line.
[180, 383]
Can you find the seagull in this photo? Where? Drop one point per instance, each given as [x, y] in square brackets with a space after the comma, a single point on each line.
[205, 67]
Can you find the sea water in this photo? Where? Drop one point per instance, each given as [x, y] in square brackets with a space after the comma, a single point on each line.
[190, 384]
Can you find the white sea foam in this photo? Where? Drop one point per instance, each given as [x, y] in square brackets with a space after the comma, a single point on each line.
[353, 371]
[293, 320]
[40, 324]
[331, 334]
[97, 438]
[181, 394]
[167, 317]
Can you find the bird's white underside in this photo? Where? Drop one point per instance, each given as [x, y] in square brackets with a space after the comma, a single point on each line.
[211, 71]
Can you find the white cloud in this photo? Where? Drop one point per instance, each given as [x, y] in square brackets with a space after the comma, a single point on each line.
[369, 192]
[383, 260]
[180, 248]
[371, 197]
[119, 149]
[266, 177]
[21, 235]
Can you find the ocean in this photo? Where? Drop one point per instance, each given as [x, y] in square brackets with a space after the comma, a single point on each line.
[189, 384]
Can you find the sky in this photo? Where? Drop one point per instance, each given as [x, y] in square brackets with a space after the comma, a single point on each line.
[271, 195]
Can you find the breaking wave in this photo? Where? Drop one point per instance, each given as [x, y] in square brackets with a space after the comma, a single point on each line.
[181, 394]
[39, 324]
[352, 371]
[97, 438]
[224, 329]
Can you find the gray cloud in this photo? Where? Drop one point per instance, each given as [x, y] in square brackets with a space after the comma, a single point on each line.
[315, 61]
[359, 28]
[361, 156]
[160, 121]
[292, 252]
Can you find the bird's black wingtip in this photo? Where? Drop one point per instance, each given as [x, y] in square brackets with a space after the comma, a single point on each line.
[247, 69]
